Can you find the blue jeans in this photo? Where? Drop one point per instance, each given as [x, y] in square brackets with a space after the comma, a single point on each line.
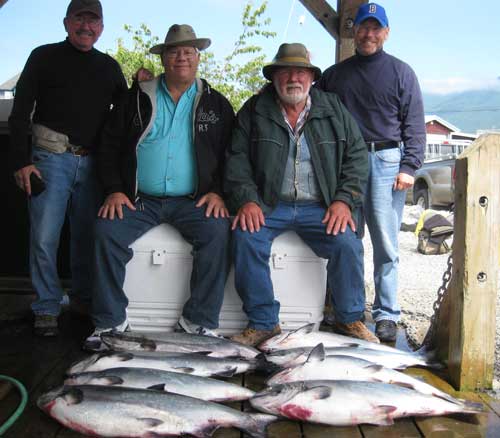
[71, 189]
[383, 209]
[210, 240]
[251, 252]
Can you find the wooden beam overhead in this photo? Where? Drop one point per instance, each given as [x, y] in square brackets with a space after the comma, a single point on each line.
[325, 14]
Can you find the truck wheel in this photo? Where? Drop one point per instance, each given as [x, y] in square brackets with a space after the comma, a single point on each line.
[422, 198]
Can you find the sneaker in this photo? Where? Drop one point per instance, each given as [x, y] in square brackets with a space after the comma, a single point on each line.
[386, 330]
[94, 343]
[254, 337]
[184, 325]
[45, 325]
[355, 330]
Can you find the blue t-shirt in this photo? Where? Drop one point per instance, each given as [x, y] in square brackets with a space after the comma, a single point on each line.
[166, 162]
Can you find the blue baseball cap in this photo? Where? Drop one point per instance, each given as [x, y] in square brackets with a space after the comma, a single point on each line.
[371, 10]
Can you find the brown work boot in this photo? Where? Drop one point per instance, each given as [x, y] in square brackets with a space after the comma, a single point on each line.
[355, 330]
[253, 337]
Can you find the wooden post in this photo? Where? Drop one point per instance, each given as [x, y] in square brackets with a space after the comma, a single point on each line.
[474, 285]
[347, 10]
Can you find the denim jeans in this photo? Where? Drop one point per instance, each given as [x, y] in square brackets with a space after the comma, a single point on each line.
[383, 209]
[72, 190]
[210, 240]
[344, 252]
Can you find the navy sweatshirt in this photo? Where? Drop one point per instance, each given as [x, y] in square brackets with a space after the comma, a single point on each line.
[73, 92]
[383, 95]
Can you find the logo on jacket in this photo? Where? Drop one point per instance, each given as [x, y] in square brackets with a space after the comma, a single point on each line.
[204, 119]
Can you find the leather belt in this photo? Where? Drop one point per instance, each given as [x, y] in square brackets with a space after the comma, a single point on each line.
[375, 146]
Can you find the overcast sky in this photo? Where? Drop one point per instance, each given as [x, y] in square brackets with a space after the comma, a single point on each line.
[452, 45]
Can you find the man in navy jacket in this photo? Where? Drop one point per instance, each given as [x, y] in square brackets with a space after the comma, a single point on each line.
[383, 95]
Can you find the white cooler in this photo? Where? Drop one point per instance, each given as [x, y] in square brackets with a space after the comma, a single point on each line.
[157, 283]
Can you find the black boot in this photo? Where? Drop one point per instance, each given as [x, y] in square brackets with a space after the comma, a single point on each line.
[386, 330]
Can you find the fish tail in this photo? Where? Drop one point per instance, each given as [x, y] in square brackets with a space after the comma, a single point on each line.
[257, 424]
[264, 366]
[430, 357]
[469, 407]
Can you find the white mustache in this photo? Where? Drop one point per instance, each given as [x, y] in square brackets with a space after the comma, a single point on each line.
[294, 86]
[85, 32]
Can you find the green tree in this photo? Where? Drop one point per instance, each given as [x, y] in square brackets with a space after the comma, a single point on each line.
[238, 75]
[138, 56]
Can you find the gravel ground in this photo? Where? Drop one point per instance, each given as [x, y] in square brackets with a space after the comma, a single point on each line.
[419, 279]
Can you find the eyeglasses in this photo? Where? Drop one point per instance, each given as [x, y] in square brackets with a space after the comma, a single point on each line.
[91, 21]
[186, 53]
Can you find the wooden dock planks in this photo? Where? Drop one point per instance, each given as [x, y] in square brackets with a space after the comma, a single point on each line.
[40, 364]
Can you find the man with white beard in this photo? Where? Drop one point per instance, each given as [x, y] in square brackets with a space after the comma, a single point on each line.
[297, 162]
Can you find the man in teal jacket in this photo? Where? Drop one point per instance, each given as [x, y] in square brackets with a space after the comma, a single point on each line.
[297, 162]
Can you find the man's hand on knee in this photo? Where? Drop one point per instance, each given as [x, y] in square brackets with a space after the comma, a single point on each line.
[250, 217]
[113, 204]
[215, 205]
[337, 217]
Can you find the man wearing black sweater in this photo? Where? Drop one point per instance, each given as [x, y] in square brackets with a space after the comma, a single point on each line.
[72, 86]
[383, 95]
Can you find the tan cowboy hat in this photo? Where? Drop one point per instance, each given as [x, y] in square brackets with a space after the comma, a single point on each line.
[180, 35]
[290, 55]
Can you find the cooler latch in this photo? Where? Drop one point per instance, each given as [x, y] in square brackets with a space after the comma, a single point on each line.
[279, 261]
[159, 256]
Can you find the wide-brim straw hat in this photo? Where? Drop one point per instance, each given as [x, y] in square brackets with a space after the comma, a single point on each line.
[180, 35]
[290, 55]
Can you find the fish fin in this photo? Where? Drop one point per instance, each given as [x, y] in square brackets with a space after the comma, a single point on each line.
[383, 415]
[123, 356]
[148, 345]
[150, 422]
[374, 368]
[265, 366]
[159, 387]
[403, 384]
[185, 370]
[319, 392]
[304, 330]
[257, 425]
[227, 373]
[206, 432]
[317, 354]
[108, 380]
[73, 396]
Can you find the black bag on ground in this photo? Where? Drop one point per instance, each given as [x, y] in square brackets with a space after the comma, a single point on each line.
[432, 237]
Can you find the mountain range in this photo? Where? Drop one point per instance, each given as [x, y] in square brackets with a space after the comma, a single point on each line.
[469, 110]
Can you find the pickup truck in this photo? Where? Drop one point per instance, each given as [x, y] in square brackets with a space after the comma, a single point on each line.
[434, 184]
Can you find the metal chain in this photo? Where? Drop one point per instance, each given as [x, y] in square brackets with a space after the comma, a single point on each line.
[441, 292]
